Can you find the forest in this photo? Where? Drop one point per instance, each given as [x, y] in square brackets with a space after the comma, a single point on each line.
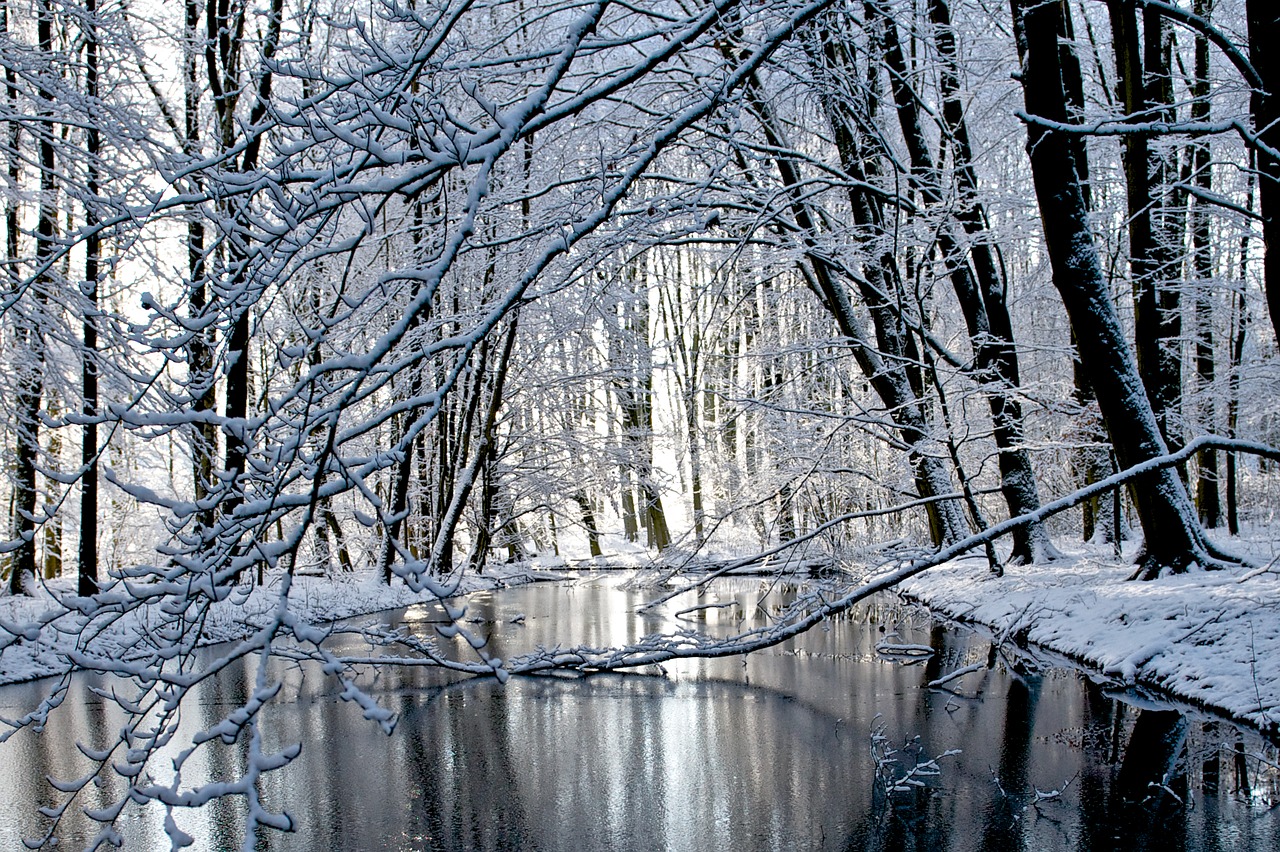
[417, 288]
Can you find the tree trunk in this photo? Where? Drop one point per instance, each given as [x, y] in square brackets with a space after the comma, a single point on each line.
[1240, 330]
[980, 291]
[12, 213]
[30, 336]
[1174, 538]
[896, 378]
[633, 389]
[1264, 36]
[225, 31]
[52, 527]
[1092, 459]
[87, 573]
[12, 219]
[1207, 498]
[589, 522]
[489, 491]
[1145, 92]
[200, 382]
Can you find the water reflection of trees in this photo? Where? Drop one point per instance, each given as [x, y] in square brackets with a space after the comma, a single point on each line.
[722, 754]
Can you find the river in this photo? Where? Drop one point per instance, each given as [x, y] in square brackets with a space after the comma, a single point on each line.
[833, 740]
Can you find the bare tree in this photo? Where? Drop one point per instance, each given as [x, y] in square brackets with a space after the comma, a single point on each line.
[1264, 30]
[975, 276]
[1174, 539]
[1208, 502]
[30, 333]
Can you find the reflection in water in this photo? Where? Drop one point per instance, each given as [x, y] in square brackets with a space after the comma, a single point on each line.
[821, 743]
[1151, 785]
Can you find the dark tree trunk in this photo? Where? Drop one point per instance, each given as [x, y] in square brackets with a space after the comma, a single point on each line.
[589, 522]
[979, 290]
[890, 363]
[1092, 459]
[1144, 92]
[1207, 498]
[1264, 36]
[489, 449]
[1239, 332]
[225, 22]
[30, 335]
[12, 219]
[1073, 88]
[200, 383]
[88, 553]
[1174, 538]
[12, 213]
[399, 493]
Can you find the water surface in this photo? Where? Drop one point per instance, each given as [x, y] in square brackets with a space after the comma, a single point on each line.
[825, 742]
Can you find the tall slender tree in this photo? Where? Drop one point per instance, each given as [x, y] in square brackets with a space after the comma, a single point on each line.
[30, 334]
[1264, 34]
[200, 378]
[88, 551]
[975, 276]
[225, 22]
[888, 359]
[12, 219]
[1145, 93]
[1207, 496]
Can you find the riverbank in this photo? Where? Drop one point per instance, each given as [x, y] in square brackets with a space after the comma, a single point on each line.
[1209, 637]
[313, 600]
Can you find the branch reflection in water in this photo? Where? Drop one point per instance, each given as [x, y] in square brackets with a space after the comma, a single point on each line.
[830, 741]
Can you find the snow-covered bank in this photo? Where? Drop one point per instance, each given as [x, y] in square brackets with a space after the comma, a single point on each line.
[1212, 638]
[313, 600]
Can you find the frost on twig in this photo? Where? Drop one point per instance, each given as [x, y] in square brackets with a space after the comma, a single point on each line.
[956, 675]
[906, 768]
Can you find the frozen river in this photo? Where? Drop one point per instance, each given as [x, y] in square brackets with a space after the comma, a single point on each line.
[832, 741]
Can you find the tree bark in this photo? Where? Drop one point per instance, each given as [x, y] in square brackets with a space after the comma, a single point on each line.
[225, 23]
[30, 334]
[87, 573]
[896, 378]
[1264, 36]
[980, 290]
[1207, 497]
[1174, 538]
[12, 213]
[1144, 92]
[1239, 332]
[12, 218]
[489, 449]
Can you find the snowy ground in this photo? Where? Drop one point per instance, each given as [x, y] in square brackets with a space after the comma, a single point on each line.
[1212, 638]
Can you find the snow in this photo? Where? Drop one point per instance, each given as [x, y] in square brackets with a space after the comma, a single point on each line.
[1209, 637]
[312, 601]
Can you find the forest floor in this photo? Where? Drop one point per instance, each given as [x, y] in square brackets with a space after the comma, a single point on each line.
[1211, 638]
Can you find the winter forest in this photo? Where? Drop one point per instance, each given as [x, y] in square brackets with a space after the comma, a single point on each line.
[415, 289]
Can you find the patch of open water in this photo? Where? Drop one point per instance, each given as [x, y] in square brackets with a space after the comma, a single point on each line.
[834, 740]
